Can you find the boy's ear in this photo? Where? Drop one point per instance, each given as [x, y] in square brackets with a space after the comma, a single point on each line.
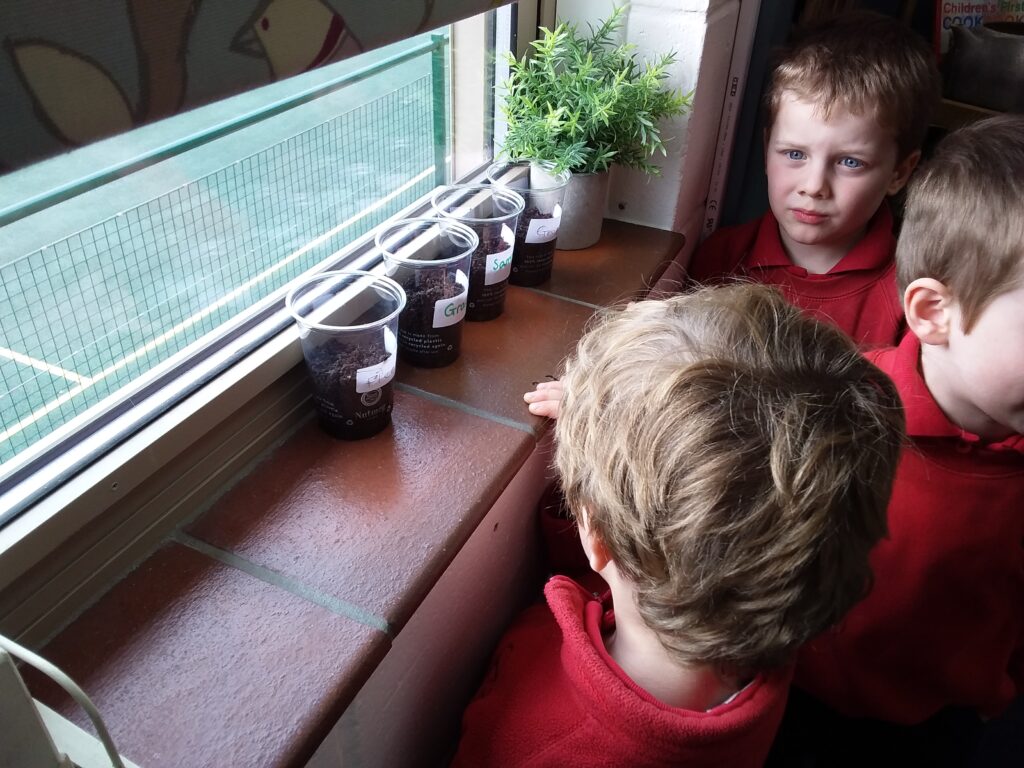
[593, 546]
[901, 173]
[929, 307]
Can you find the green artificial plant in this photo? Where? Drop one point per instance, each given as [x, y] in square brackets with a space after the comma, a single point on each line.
[585, 103]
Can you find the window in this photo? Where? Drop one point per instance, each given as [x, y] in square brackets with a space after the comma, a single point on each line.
[126, 293]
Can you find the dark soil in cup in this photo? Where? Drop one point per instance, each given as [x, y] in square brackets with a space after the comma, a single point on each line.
[419, 342]
[532, 262]
[486, 302]
[343, 412]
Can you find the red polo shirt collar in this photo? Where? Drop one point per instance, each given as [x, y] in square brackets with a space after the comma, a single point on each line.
[873, 251]
[924, 417]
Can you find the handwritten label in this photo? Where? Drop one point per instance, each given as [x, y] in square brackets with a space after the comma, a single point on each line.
[450, 311]
[499, 264]
[376, 376]
[544, 230]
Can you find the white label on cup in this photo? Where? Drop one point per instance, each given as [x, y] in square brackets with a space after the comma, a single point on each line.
[376, 376]
[544, 230]
[499, 264]
[450, 311]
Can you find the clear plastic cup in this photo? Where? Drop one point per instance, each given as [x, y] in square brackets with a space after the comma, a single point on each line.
[348, 324]
[543, 192]
[492, 212]
[430, 259]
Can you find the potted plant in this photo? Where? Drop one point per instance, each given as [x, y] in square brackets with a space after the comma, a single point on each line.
[348, 321]
[492, 212]
[430, 259]
[584, 103]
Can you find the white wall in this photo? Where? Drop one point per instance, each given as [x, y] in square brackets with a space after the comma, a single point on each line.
[701, 33]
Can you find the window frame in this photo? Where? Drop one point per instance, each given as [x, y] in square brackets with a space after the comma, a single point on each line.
[258, 372]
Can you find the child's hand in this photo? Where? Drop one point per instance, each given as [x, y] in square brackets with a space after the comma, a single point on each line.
[545, 400]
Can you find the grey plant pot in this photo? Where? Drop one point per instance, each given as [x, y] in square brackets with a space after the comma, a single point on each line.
[583, 210]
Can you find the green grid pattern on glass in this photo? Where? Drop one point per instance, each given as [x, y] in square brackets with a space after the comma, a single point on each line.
[85, 316]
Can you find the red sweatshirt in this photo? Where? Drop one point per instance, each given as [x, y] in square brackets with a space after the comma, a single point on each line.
[944, 623]
[859, 294]
[554, 697]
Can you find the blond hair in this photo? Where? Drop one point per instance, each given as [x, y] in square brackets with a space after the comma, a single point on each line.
[736, 459]
[964, 220]
[866, 64]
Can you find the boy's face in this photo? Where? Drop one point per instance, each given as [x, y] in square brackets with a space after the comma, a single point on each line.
[978, 377]
[826, 178]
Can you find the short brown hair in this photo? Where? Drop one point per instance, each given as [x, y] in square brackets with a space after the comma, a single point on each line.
[735, 457]
[964, 220]
[866, 64]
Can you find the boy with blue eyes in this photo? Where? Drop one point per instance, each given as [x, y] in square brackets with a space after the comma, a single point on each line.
[847, 110]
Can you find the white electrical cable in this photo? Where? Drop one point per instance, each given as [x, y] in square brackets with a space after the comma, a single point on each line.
[73, 690]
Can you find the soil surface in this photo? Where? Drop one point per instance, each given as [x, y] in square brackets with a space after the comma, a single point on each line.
[343, 412]
[531, 262]
[486, 302]
[419, 343]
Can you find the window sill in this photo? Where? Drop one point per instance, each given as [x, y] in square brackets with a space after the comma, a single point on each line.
[243, 639]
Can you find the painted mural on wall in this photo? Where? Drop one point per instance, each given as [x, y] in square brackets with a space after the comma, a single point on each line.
[295, 36]
[77, 100]
[73, 73]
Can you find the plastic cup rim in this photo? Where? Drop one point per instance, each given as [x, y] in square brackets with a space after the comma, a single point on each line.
[497, 189]
[431, 263]
[388, 283]
[544, 165]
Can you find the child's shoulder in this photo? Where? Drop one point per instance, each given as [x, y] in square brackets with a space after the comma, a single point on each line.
[724, 250]
[885, 358]
[924, 417]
